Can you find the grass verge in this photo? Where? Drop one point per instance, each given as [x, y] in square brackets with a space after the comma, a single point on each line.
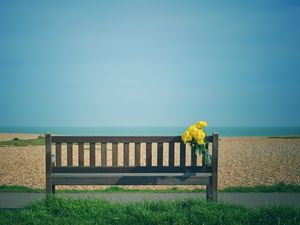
[279, 187]
[20, 142]
[55, 210]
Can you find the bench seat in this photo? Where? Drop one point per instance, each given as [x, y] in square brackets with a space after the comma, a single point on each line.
[131, 178]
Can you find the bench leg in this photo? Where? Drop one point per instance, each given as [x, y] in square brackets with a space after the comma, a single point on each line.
[48, 190]
[211, 191]
[53, 189]
[214, 193]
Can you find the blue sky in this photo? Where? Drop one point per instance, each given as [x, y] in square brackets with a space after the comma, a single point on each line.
[149, 63]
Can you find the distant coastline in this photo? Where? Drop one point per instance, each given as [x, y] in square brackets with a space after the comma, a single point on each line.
[130, 131]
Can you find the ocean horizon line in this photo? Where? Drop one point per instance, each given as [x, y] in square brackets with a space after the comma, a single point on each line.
[229, 131]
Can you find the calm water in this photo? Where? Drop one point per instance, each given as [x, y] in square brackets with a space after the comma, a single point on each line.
[224, 131]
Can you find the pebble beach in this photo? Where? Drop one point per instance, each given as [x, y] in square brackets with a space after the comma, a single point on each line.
[243, 161]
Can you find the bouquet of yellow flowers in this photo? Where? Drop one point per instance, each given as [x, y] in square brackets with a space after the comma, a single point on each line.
[195, 135]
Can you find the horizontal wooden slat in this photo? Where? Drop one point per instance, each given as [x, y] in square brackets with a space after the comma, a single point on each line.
[72, 175]
[118, 139]
[133, 169]
[131, 180]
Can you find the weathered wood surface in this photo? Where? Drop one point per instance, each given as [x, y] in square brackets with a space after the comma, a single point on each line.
[119, 139]
[182, 154]
[160, 153]
[69, 154]
[148, 154]
[137, 154]
[130, 175]
[114, 154]
[131, 180]
[214, 178]
[48, 164]
[132, 169]
[103, 154]
[58, 154]
[92, 154]
[81, 154]
[126, 154]
[171, 154]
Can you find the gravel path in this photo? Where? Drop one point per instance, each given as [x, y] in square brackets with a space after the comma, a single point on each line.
[253, 200]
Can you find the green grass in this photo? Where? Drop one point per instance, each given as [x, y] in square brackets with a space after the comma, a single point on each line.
[111, 189]
[15, 188]
[19, 142]
[279, 187]
[55, 210]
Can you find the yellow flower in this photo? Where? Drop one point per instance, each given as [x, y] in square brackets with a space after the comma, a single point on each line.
[201, 133]
[193, 130]
[189, 137]
[186, 137]
[198, 134]
[201, 124]
[201, 142]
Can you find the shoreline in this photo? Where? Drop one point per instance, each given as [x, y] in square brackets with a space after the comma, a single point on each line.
[10, 136]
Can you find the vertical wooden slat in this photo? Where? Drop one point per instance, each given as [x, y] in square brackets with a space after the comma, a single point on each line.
[69, 154]
[214, 182]
[182, 154]
[81, 154]
[58, 154]
[48, 164]
[92, 154]
[194, 157]
[160, 154]
[148, 154]
[103, 154]
[137, 154]
[126, 154]
[171, 154]
[115, 154]
[203, 158]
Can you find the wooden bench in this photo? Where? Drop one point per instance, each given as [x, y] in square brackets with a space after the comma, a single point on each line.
[100, 173]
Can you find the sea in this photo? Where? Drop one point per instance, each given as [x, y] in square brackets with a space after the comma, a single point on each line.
[152, 131]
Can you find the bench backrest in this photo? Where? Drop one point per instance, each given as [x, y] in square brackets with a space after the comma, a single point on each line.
[89, 143]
